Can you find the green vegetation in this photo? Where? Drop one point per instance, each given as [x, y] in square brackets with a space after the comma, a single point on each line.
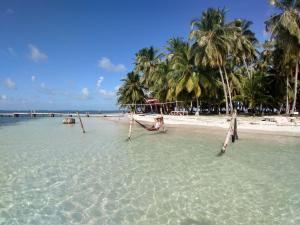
[223, 65]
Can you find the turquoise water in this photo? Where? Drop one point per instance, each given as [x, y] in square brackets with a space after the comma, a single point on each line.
[53, 174]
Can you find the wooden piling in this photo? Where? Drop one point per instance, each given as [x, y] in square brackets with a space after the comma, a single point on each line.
[232, 131]
[130, 127]
[235, 129]
[81, 124]
[163, 123]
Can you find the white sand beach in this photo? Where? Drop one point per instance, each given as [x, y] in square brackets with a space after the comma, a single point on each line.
[267, 124]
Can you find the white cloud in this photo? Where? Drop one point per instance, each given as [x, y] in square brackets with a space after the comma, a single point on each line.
[106, 64]
[33, 78]
[9, 11]
[10, 84]
[36, 55]
[99, 82]
[3, 97]
[117, 87]
[105, 93]
[85, 93]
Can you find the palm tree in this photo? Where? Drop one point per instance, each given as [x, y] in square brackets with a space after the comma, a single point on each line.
[252, 90]
[244, 43]
[184, 71]
[213, 42]
[131, 91]
[159, 79]
[145, 62]
[285, 29]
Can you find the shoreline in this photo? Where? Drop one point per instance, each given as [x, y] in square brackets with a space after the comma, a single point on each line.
[245, 124]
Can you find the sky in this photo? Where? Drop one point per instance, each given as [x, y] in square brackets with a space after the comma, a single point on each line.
[71, 55]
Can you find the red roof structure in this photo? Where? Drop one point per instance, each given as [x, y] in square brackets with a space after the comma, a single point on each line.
[152, 101]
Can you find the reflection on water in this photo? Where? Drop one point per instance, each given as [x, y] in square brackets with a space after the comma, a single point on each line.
[54, 174]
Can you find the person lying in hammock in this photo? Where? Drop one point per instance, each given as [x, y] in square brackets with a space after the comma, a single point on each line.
[156, 126]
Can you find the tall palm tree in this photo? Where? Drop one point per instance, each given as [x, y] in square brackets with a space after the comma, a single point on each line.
[244, 43]
[145, 62]
[131, 91]
[184, 71]
[159, 79]
[285, 29]
[213, 42]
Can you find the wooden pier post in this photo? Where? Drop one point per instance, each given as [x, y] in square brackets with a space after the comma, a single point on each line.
[232, 131]
[130, 126]
[163, 122]
[81, 124]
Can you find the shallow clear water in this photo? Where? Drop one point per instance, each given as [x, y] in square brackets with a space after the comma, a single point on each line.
[53, 174]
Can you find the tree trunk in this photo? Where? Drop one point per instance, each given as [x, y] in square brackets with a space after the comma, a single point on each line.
[224, 89]
[246, 66]
[229, 89]
[287, 109]
[295, 88]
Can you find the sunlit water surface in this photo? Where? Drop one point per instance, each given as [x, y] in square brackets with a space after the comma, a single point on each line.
[53, 174]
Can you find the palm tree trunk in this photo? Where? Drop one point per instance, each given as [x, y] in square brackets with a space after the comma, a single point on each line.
[229, 89]
[246, 66]
[295, 89]
[287, 109]
[224, 89]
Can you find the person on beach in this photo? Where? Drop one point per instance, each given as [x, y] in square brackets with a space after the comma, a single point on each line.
[158, 123]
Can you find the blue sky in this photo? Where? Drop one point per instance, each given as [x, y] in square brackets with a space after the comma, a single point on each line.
[60, 54]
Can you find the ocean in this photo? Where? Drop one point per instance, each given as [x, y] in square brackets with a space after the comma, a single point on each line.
[52, 173]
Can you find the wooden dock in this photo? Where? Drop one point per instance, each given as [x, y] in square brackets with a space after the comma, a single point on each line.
[53, 114]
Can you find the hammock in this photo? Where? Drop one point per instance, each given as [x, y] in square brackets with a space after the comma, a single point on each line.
[147, 128]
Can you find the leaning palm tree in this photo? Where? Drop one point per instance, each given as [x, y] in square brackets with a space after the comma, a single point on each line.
[213, 42]
[285, 29]
[131, 92]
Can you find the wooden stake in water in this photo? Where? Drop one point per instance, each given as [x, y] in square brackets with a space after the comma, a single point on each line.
[232, 131]
[130, 127]
[81, 124]
[162, 116]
